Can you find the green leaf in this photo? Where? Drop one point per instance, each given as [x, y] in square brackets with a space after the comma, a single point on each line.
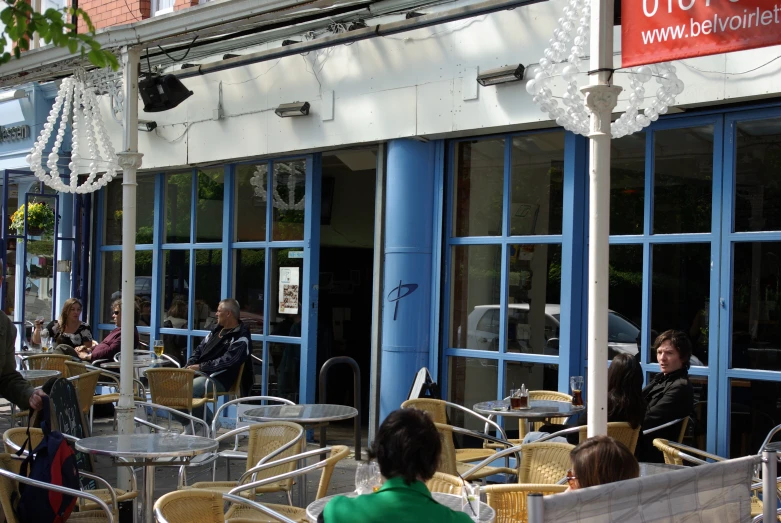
[6, 16]
[73, 46]
[53, 14]
[112, 61]
[97, 58]
[24, 43]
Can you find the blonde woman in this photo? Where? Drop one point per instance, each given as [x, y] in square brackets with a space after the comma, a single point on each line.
[69, 332]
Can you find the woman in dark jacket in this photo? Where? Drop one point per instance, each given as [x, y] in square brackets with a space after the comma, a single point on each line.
[669, 394]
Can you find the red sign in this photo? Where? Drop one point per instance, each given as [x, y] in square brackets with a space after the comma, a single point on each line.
[662, 30]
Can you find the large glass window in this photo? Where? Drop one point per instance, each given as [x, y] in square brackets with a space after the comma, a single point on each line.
[251, 189]
[208, 210]
[478, 188]
[758, 176]
[178, 207]
[145, 211]
[537, 184]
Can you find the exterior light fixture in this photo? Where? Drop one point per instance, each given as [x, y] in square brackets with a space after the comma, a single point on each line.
[147, 126]
[287, 42]
[294, 109]
[188, 66]
[501, 75]
[14, 94]
[229, 56]
[161, 93]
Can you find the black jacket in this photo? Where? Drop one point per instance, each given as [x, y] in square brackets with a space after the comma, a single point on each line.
[221, 357]
[669, 397]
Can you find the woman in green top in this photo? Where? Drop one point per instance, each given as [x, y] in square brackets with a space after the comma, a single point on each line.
[407, 448]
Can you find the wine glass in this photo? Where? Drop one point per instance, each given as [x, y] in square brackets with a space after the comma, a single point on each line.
[45, 335]
[158, 347]
[367, 478]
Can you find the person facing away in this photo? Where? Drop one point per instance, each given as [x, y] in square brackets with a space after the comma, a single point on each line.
[407, 448]
[624, 398]
[13, 387]
[222, 352]
[176, 318]
[600, 460]
[112, 343]
[669, 395]
[68, 333]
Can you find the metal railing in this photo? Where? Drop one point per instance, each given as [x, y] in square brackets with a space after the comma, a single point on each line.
[356, 393]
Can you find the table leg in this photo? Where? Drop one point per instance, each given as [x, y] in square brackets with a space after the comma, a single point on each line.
[149, 493]
[302, 485]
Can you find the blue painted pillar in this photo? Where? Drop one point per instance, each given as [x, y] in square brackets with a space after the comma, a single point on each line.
[407, 286]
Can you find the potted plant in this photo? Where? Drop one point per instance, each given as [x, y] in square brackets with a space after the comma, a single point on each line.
[40, 219]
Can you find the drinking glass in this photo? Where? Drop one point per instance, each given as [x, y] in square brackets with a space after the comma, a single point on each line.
[45, 335]
[158, 348]
[515, 399]
[576, 384]
[367, 478]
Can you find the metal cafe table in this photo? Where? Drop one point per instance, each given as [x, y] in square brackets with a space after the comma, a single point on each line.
[304, 414]
[39, 374]
[146, 450]
[539, 410]
[451, 501]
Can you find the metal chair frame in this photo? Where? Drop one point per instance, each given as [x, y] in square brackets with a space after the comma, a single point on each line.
[242, 501]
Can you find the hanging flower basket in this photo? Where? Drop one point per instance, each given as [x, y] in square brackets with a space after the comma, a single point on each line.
[40, 219]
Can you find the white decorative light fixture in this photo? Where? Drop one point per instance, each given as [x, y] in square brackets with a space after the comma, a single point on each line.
[75, 99]
[569, 40]
[258, 181]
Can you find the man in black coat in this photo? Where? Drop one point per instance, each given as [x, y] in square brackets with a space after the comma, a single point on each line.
[669, 396]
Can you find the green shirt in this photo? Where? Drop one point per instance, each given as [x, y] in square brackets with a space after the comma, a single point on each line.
[395, 502]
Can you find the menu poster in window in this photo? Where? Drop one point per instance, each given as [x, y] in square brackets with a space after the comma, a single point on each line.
[288, 290]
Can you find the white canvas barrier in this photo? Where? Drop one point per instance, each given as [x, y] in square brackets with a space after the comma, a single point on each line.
[714, 493]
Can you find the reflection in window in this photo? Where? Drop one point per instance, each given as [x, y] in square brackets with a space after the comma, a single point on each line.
[178, 208]
[472, 380]
[754, 410]
[757, 175]
[683, 180]
[475, 293]
[625, 299]
[176, 287]
[211, 193]
[478, 188]
[112, 282]
[627, 184]
[284, 370]
[756, 311]
[208, 274]
[250, 281]
[537, 189]
[145, 211]
[289, 186]
[680, 296]
[251, 187]
[286, 273]
[534, 281]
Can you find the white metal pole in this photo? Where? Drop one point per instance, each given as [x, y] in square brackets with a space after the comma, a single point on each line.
[129, 161]
[601, 98]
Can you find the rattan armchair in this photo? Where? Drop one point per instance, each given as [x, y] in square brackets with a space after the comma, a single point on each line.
[619, 430]
[9, 487]
[47, 362]
[85, 384]
[274, 440]
[437, 409]
[337, 453]
[450, 465]
[539, 463]
[445, 483]
[174, 388]
[202, 506]
[107, 379]
[510, 501]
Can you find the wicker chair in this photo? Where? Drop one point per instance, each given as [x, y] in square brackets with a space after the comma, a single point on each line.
[437, 409]
[619, 430]
[9, 487]
[13, 439]
[549, 395]
[510, 501]
[265, 439]
[679, 454]
[85, 384]
[174, 388]
[107, 379]
[242, 513]
[450, 465]
[544, 463]
[445, 483]
[47, 362]
[201, 506]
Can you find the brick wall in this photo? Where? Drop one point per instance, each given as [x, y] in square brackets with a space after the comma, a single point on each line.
[184, 4]
[105, 13]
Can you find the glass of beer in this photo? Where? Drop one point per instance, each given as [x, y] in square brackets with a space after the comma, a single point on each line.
[515, 399]
[576, 384]
[523, 399]
[158, 348]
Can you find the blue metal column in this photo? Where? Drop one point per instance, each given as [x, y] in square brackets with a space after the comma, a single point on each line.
[407, 286]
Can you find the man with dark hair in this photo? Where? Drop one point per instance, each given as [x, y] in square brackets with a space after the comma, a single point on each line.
[407, 448]
[111, 344]
[222, 352]
[669, 395]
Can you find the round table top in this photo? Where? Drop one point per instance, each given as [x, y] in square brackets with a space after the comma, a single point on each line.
[537, 409]
[146, 445]
[650, 469]
[305, 413]
[39, 374]
[449, 500]
[137, 362]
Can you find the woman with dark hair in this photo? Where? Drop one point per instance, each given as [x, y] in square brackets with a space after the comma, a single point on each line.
[669, 394]
[112, 343]
[407, 448]
[600, 460]
[624, 399]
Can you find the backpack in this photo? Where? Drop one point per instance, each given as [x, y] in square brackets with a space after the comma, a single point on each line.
[53, 461]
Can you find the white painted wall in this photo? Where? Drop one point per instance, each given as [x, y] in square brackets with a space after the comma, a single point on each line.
[401, 86]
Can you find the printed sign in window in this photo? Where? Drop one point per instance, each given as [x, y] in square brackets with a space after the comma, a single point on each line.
[288, 290]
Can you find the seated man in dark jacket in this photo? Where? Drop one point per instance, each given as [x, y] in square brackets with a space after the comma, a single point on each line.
[222, 351]
[669, 396]
[111, 344]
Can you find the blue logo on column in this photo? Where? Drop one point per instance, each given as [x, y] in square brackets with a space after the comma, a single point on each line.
[406, 289]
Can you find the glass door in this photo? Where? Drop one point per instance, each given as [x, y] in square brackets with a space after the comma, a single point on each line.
[750, 300]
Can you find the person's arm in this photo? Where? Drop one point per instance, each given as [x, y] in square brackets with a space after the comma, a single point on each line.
[196, 354]
[107, 348]
[13, 386]
[237, 353]
[676, 403]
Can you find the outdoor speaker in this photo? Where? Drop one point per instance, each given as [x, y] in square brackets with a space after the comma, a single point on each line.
[161, 93]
